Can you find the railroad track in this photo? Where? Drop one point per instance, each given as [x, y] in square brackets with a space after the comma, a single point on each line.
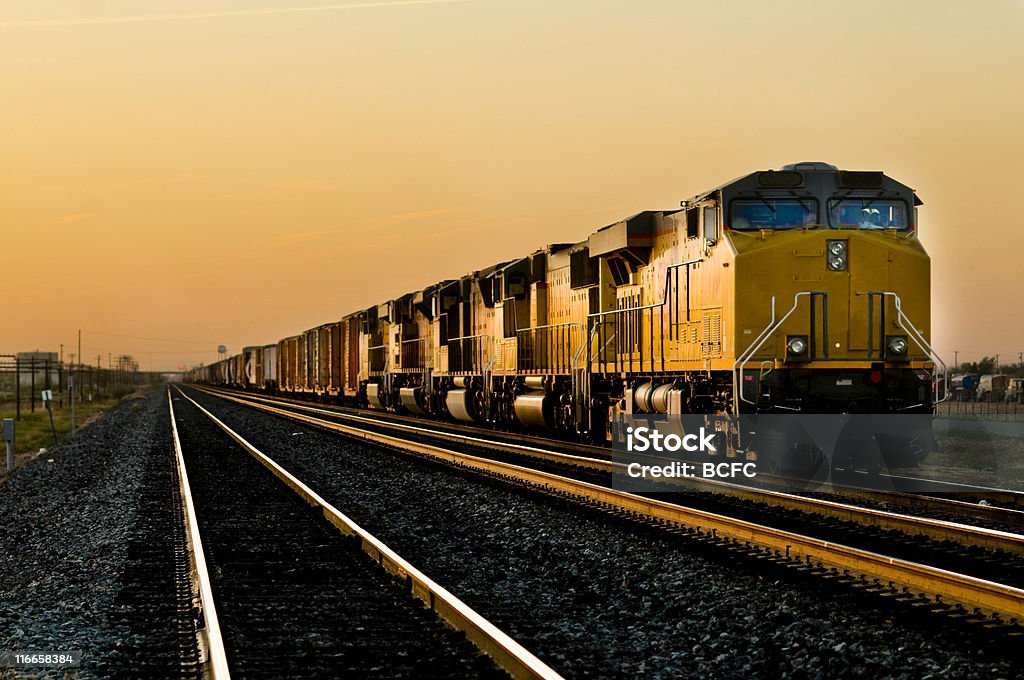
[281, 594]
[1002, 507]
[878, 513]
[930, 585]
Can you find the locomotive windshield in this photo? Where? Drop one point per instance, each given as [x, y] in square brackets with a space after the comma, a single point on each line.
[868, 213]
[773, 213]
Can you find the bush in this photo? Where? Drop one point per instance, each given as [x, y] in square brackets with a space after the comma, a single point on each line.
[121, 391]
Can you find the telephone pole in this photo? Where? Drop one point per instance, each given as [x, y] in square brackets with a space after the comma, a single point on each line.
[78, 378]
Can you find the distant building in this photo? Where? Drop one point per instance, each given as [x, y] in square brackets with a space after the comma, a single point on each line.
[39, 363]
[39, 357]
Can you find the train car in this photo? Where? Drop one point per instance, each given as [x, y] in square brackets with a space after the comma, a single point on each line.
[288, 364]
[268, 372]
[251, 367]
[229, 371]
[408, 340]
[464, 346]
[328, 372]
[308, 356]
[351, 332]
[541, 326]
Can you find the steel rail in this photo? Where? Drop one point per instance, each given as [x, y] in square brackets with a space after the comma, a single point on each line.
[988, 513]
[947, 587]
[488, 638]
[1009, 496]
[211, 642]
[935, 529]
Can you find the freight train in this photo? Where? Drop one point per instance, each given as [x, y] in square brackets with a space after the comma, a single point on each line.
[803, 290]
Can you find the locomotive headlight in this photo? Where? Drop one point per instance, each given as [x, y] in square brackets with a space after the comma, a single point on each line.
[897, 345]
[796, 345]
[836, 255]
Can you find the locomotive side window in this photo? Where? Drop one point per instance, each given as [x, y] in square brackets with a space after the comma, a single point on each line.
[692, 223]
[868, 213]
[772, 213]
[710, 226]
[516, 285]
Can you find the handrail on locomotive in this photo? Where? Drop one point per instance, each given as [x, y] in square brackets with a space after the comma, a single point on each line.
[597, 321]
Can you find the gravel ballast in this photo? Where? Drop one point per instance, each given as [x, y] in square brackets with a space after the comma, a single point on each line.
[593, 600]
[68, 520]
[295, 598]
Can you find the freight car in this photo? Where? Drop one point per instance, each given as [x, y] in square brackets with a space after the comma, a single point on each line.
[803, 290]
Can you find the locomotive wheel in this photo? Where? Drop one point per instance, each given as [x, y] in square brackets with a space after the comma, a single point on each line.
[479, 408]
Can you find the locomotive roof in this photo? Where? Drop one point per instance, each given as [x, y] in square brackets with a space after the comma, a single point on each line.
[824, 177]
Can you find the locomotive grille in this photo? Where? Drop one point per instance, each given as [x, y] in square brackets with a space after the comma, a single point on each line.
[711, 335]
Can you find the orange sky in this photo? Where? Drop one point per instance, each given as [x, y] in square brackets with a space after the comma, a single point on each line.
[233, 171]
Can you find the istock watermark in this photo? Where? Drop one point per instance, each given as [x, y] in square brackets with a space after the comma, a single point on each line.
[647, 439]
[654, 453]
[693, 470]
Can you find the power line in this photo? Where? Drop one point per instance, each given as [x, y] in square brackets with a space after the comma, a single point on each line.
[140, 337]
[162, 351]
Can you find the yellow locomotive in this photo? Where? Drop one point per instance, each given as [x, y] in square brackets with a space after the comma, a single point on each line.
[796, 291]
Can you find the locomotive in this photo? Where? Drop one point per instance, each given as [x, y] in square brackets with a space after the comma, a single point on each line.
[803, 290]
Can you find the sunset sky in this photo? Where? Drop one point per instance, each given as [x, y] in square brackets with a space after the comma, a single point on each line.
[175, 175]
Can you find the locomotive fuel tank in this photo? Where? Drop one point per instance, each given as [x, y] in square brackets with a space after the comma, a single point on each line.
[412, 399]
[460, 404]
[535, 410]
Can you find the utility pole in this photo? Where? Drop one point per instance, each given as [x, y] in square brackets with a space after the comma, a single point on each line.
[8, 432]
[79, 361]
[956, 360]
[17, 386]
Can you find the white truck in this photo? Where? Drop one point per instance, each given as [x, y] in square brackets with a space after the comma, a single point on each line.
[992, 387]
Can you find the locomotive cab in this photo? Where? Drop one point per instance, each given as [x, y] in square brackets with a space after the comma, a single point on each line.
[832, 299]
